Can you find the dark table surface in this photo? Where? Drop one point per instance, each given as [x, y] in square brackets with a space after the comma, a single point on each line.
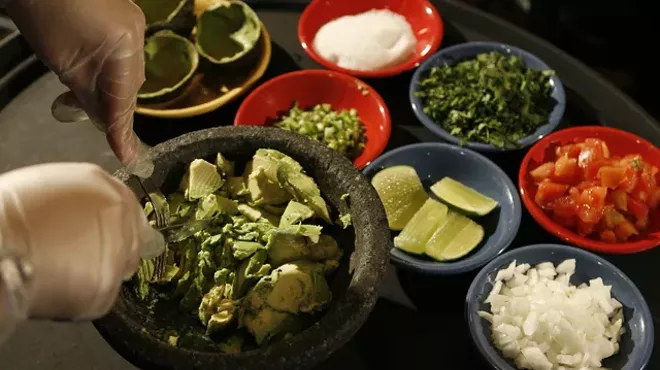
[419, 321]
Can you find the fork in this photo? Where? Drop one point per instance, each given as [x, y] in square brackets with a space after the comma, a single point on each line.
[162, 222]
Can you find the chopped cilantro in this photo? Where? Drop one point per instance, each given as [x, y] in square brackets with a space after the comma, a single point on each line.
[493, 99]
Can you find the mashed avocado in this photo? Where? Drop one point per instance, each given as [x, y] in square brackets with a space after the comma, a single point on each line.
[258, 266]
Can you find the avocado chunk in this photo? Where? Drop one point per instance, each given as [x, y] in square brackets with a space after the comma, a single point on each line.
[263, 191]
[244, 249]
[295, 213]
[289, 174]
[201, 179]
[269, 323]
[294, 287]
[288, 245]
[249, 212]
[143, 277]
[299, 287]
[216, 311]
[213, 205]
[225, 166]
[236, 187]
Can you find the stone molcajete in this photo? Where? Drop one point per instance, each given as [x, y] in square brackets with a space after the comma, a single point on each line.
[355, 284]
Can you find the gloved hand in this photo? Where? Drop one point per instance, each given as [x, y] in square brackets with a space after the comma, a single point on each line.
[96, 48]
[78, 233]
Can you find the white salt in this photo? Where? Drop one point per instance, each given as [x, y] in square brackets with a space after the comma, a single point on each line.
[376, 39]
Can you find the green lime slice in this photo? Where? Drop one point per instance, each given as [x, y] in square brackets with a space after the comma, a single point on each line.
[463, 197]
[401, 192]
[421, 227]
[455, 238]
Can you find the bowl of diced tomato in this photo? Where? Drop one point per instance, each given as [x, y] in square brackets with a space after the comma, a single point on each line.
[594, 187]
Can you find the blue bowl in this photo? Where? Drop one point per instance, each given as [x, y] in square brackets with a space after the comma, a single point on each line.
[636, 344]
[433, 161]
[457, 53]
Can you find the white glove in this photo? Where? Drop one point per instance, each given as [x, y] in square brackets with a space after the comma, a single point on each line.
[69, 234]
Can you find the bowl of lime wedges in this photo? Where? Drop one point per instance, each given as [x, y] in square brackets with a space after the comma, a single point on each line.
[450, 209]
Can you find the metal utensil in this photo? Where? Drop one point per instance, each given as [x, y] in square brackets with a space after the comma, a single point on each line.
[182, 231]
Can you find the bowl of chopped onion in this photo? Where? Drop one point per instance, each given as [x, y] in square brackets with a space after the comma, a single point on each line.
[550, 306]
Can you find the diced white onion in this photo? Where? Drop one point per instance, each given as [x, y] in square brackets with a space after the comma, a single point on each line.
[543, 322]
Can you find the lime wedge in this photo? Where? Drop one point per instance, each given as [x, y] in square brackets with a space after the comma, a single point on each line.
[455, 238]
[401, 192]
[463, 197]
[421, 227]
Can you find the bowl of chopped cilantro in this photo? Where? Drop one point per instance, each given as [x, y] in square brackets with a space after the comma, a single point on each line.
[333, 108]
[487, 96]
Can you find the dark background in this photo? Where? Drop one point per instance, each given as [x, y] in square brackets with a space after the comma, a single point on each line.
[616, 38]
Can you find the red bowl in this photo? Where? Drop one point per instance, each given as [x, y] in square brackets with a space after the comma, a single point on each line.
[421, 14]
[311, 87]
[620, 143]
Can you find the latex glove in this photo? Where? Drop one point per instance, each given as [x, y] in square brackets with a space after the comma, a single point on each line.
[96, 48]
[77, 233]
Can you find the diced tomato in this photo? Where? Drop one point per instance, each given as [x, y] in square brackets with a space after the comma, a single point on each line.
[646, 183]
[642, 223]
[637, 208]
[606, 150]
[585, 228]
[587, 189]
[619, 198]
[543, 171]
[611, 177]
[591, 169]
[608, 236]
[594, 196]
[566, 171]
[611, 217]
[569, 150]
[591, 204]
[630, 180]
[654, 199]
[548, 192]
[592, 152]
[564, 207]
[625, 230]
[590, 215]
[584, 185]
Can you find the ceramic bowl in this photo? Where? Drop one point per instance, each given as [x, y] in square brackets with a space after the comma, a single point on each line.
[433, 161]
[311, 87]
[636, 344]
[421, 14]
[457, 53]
[620, 143]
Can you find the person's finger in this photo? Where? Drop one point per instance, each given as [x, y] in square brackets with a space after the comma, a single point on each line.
[118, 84]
